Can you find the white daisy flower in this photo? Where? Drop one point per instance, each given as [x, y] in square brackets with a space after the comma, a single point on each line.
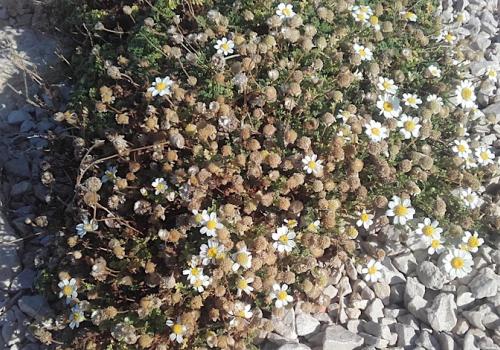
[68, 289]
[484, 155]
[470, 198]
[363, 52]
[285, 11]
[401, 209]
[241, 311]
[200, 283]
[409, 126]
[243, 285]
[373, 271]
[177, 331]
[361, 13]
[429, 229]
[109, 175]
[470, 162]
[365, 219]
[210, 224]
[194, 271]
[411, 100]
[374, 22]
[447, 37]
[160, 185]
[281, 295]
[456, 263]
[161, 87]
[471, 241]
[291, 223]
[243, 259]
[313, 226]
[409, 16]
[312, 164]
[436, 245]
[375, 131]
[387, 85]
[436, 98]
[86, 226]
[461, 148]
[389, 106]
[224, 46]
[344, 115]
[284, 239]
[434, 71]
[211, 252]
[491, 73]
[198, 216]
[465, 95]
[76, 317]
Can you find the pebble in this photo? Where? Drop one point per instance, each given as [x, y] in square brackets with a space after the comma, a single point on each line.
[413, 289]
[35, 306]
[430, 275]
[442, 314]
[338, 338]
[375, 310]
[406, 335]
[17, 117]
[383, 292]
[20, 188]
[305, 324]
[446, 341]
[406, 263]
[18, 166]
[24, 280]
[484, 285]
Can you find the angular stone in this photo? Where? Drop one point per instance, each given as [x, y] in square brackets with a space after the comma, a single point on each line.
[430, 275]
[417, 306]
[376, 329]
[18, 166]
[20, 188]
[285, 326]
[392, 275]
[442, 313]
[17, 117]
[383, 292]
[375, 310]
[294, 347]
[405, 263]
[446, 342]
[305, 324]
[483, 285]
[406, 335]
[35, 306]
[413, 289]
[24, 280]
[427, 341]
[376, 342]
[338, 338]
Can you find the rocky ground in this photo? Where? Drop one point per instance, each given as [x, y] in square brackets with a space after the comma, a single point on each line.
[413, 307]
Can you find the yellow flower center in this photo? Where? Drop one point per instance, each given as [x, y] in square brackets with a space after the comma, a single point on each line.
[409, 125]
[435, 243]
[224, 47]
[88, 227]
[241, 314]
[428, 230]
[461, 148]
[374, 20]
[282, 295]
[409, 15]
[411, 100]
[364, 217]
[473, 242]
[312, 164]
[466, 93]
[388, 107]
[195, 271]
[400, 210]
[449, 37]
[242, 258]
[492, 73]
[469, 198]
[361, 16]
[372, 270]
[242, 284]
[387, 85]
[177, 328]
[198, 283]
[287, 11]
[484, 155]
[161, 86]
[211, 224]
[457, 263]
[160, 187]
[291, 223]
[67, 290]
[198, 218]
[284, 239]
[362, 52]
[376, 131]
[212, 252]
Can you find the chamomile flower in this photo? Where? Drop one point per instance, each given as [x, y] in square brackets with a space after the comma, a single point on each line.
[457, 263]
[375, 131]
[243, 285]
[373, 271]
[68, 289]
[363, 52]
[312, 164]
[194, 271]
[285, 11]
[436, 98]
[465, 95]
[401, 210]
[374, 22]
[471, 241]
[313, 226]
[429, 229]
[447, 37]
[177, 331]
[160, 185]
[387, 85]
[436, 245]
[434, 71]
[86, 226]
[411, 100]
[76, 317]
[280, 293]
[484, 155]
[161, 87]
[409, 16]
[361, 13]
[389, 106]
[211, 251]
[461, 148]
[365, 219]
[242, 259]
[210, 224]
[224, 46]
[491, 73]
[291, 223]
[470, 198]
[344, 115]
[198, 216]
[284, 239]
[470, 162]
[109, 175]
[200, 283]
[409, 126]
[240, 311]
